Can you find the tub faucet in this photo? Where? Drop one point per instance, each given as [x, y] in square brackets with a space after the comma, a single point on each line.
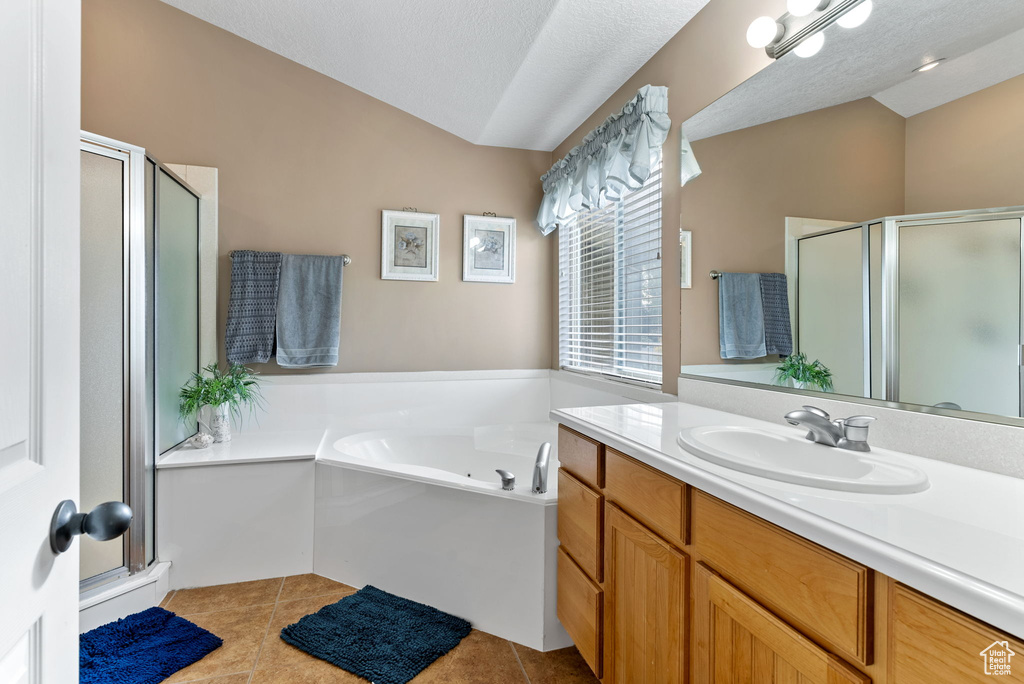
[508, 480]
[540, 469]
[849, 433]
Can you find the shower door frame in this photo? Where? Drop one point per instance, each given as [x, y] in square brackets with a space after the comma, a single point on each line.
[890, 289]
[136, 446]
[139, 339]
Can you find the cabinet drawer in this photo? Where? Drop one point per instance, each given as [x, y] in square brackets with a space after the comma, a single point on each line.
[825, 595]
[648, 495]
[581, 456]
[738, 640]
[580, 512]
[581, 610]
[930, 643]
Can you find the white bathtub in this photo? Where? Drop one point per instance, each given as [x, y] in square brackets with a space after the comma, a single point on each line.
[421, 513]
[464, 458]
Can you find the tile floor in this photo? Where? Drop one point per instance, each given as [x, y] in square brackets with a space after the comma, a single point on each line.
[249, 616]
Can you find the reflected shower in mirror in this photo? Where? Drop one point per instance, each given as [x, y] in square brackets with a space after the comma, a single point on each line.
[890, 198]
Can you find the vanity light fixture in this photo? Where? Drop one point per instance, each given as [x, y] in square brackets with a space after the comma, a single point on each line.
[929, 66]
[800, 28]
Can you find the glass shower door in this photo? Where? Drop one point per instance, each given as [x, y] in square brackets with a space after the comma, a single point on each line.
[104, 333]
[959, 315]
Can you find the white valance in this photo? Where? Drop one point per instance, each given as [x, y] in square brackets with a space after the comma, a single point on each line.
[615, 157]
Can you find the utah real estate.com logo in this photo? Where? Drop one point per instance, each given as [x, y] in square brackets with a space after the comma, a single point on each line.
[997, 658]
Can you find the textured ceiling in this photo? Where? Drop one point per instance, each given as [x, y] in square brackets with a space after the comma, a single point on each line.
[878, 59]
[513, 74]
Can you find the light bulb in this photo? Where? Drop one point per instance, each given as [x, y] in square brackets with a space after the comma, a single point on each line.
[857, 16]
[763, 32]
[811, 46]
[801, 8]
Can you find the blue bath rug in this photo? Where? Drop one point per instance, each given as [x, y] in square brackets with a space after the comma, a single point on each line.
[143, 648]
[378, 636]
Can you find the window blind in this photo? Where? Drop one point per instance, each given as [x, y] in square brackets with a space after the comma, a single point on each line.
[609, 287]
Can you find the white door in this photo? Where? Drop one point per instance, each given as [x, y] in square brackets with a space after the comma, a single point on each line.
[40, 45]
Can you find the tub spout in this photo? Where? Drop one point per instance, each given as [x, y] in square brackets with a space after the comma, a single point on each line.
[540, 469]
[508, 480]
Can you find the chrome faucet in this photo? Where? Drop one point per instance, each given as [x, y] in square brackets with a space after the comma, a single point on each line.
[540, 469]
[844, 433]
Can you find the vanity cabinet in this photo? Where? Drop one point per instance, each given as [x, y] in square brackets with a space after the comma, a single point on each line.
[646, 605]
[659, 582]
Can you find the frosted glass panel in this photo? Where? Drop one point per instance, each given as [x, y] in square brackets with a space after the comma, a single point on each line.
[177, 305]
[102, 350]
[959, 315]
[830, 297]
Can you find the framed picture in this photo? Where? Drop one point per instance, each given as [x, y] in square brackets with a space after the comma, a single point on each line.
[488, 249]
[685, 259]
[409, 245]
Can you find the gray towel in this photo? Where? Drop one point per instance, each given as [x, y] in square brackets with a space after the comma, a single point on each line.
[252, 306]
[778, 333]
[740, 316]
[309, 311]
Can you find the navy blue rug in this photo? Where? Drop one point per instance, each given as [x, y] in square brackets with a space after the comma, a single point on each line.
[143, 648]
[379, 636]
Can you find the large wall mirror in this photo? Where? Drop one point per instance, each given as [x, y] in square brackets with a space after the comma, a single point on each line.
[892, 200]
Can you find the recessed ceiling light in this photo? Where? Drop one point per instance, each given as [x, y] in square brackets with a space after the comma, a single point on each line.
[930, 65]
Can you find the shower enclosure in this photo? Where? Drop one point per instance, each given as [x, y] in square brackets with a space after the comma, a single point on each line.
[924, 309]
[140, 319]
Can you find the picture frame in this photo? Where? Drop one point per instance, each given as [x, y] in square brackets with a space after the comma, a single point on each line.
[488, 249]
[685, 260]
[409, 245]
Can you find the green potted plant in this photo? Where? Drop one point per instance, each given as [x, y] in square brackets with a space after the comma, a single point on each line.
[226, 393]
[797, 372]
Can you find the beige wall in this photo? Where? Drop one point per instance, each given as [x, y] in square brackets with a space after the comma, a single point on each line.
[842, 163]
[968, 154]
[702, 62]
[306, 166]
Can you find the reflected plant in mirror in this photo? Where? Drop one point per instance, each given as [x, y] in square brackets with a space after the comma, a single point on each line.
[227, 393]
[796, 371]
[888, 197]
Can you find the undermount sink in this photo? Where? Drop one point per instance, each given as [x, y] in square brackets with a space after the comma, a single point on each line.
[783, 454]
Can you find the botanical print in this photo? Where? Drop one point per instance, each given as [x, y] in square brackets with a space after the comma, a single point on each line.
[489, 250]
[410, 246]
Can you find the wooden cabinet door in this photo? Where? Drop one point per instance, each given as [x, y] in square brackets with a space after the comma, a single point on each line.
[645, 594]
[740, 642]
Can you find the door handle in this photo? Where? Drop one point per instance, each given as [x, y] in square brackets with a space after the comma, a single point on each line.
[107, 521]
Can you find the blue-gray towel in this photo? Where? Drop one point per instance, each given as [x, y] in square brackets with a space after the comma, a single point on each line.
[252, 306]
[778, 333]
[740, 316]
[309, 311]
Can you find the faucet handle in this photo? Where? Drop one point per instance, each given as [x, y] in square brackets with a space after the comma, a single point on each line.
[508, 480]
[855, 433]
[817, 411]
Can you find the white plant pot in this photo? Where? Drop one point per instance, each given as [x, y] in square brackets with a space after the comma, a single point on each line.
[220, 422]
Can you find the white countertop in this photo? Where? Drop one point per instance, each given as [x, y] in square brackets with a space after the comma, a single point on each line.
[247, 447]
[960, 541]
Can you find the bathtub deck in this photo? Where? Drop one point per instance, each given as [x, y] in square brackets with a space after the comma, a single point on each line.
[249, 616]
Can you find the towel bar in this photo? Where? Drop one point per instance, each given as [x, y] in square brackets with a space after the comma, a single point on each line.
[715, 275]
[345, 258]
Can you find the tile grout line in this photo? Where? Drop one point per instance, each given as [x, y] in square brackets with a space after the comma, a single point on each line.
[521, 668]
[266, 632]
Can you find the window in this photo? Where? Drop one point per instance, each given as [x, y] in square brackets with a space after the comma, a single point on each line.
[609, 287]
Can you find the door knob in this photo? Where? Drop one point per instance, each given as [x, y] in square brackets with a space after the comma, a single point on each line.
[107, 521]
